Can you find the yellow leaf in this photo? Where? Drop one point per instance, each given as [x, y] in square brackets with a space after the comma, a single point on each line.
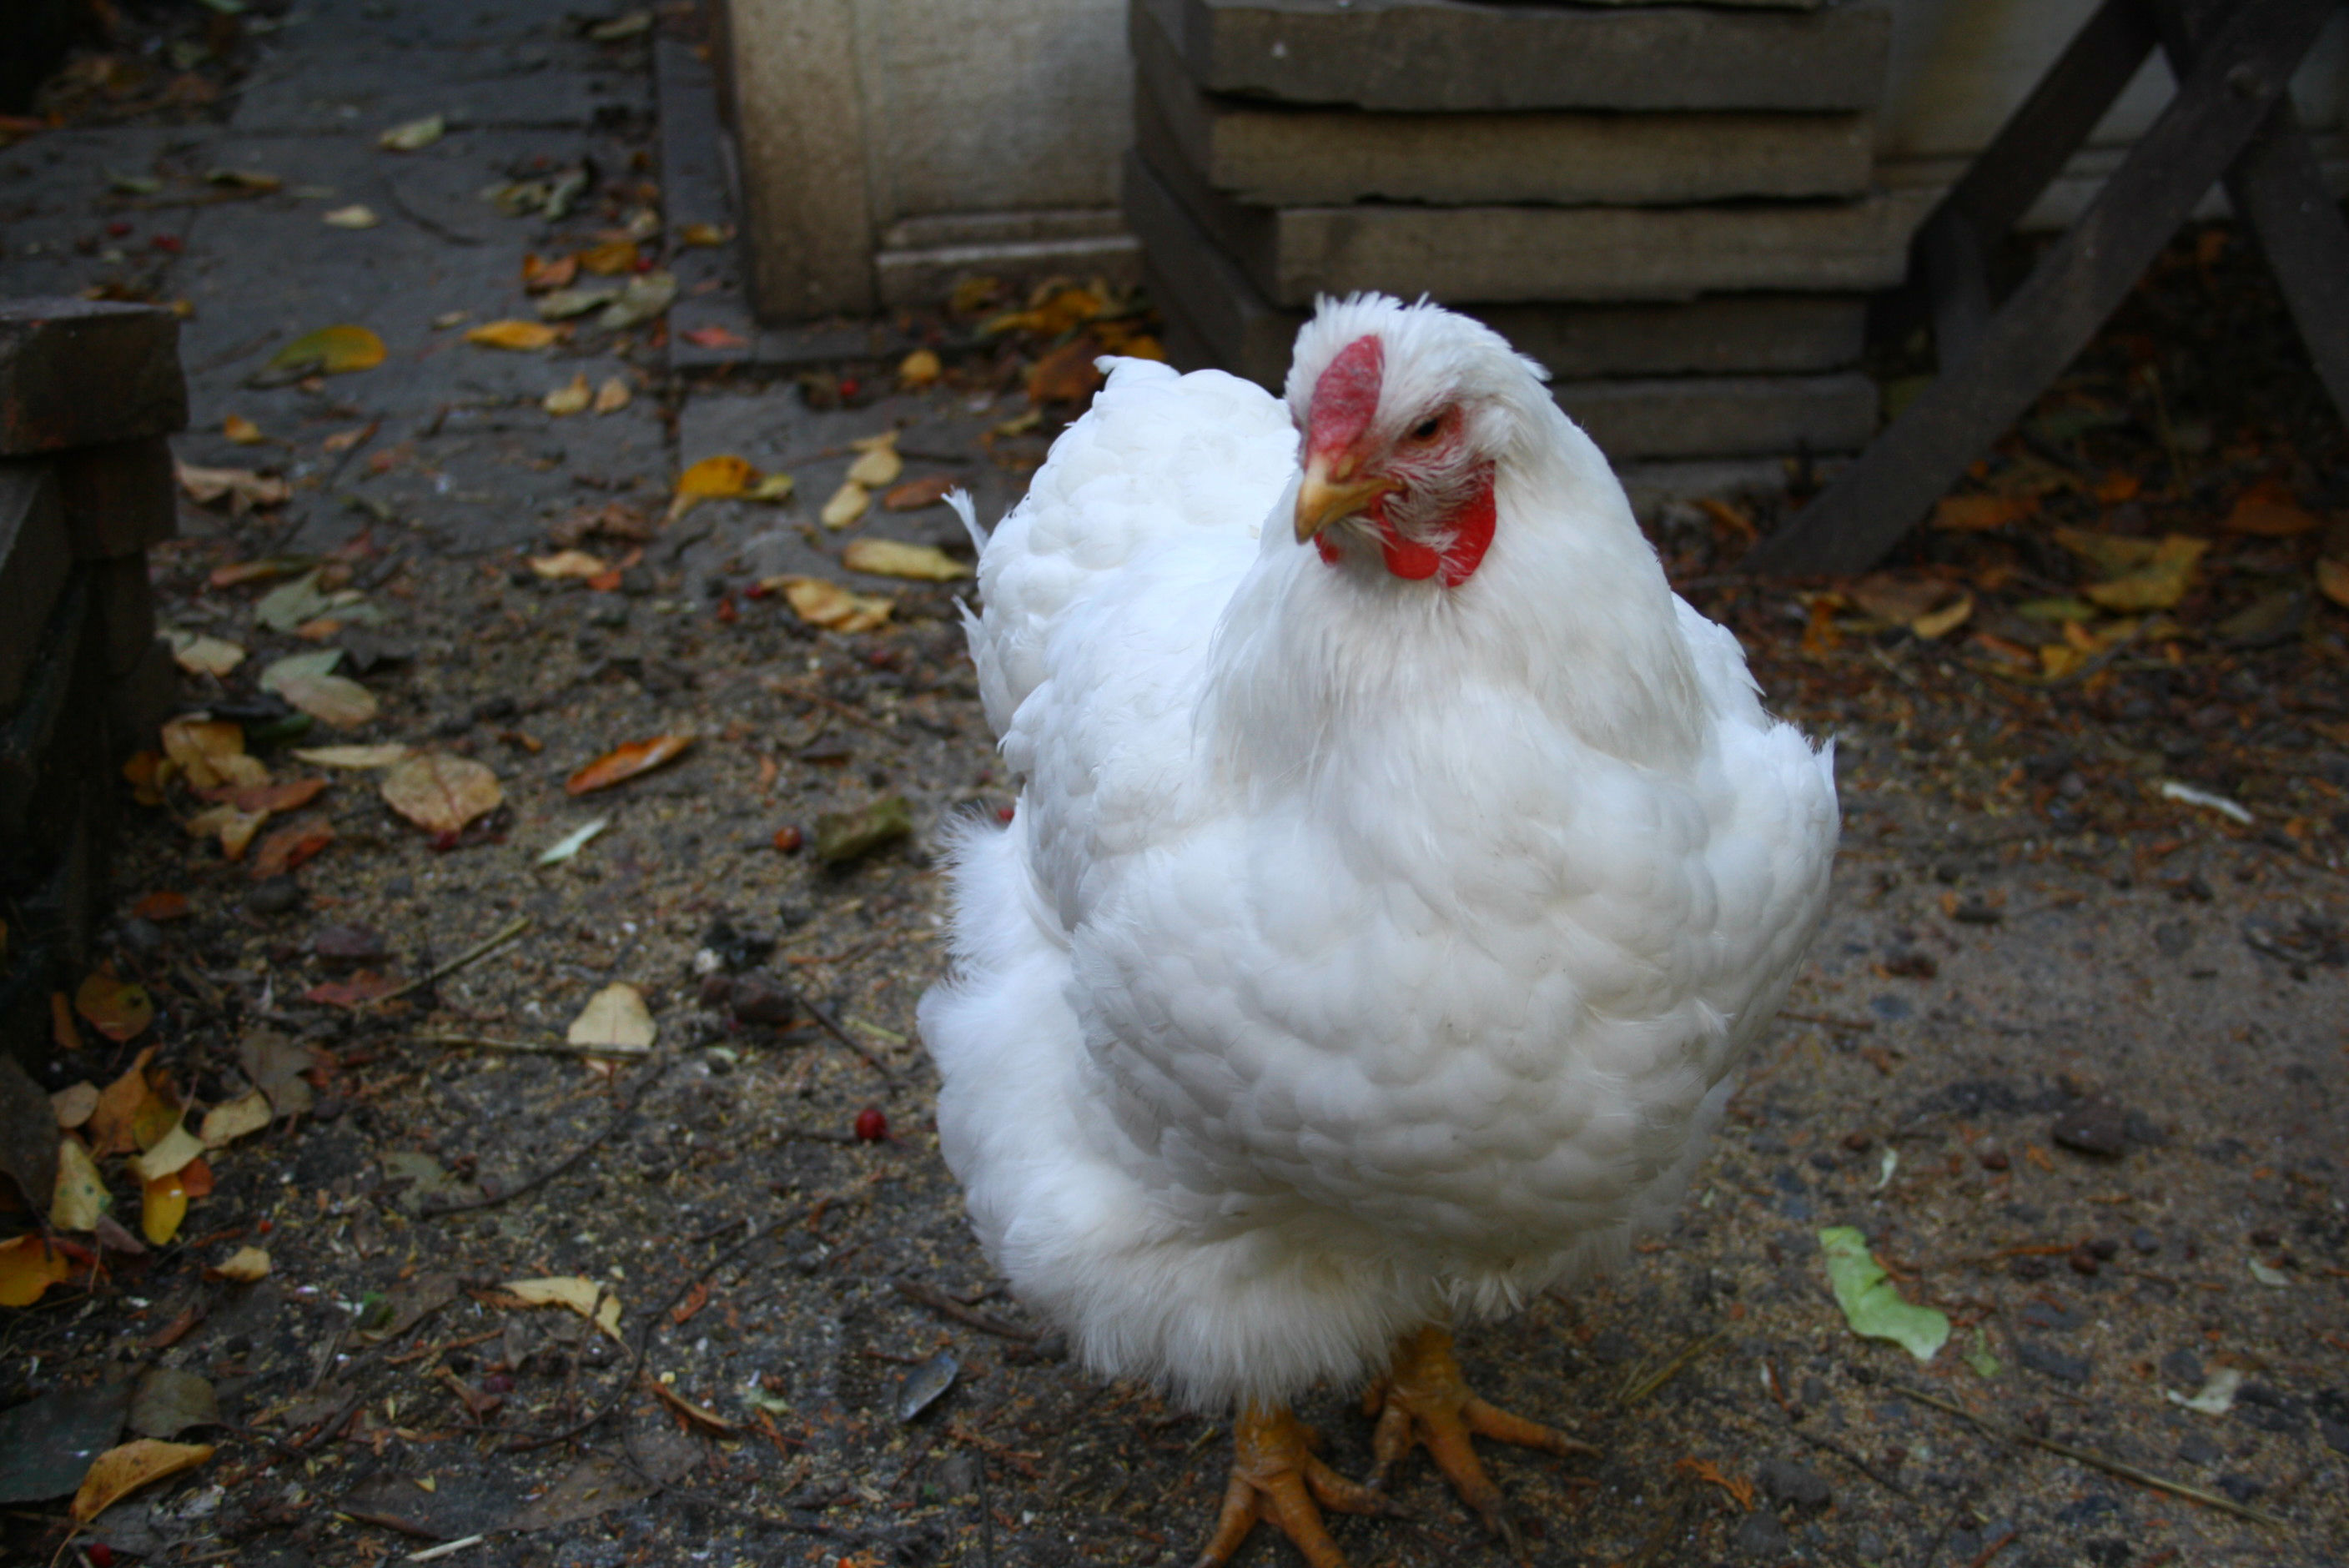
[2332, 581]
[568, 564]
[353, 756]
[244, 1266]
[442, 793]
[848, 503]
[515, 334]
[1942, 622]
[2159, 584]
[330, 351]
[880, 465]
[241, 430]
[703, 235]
[354, 216]
[118, 1472]
[828, 604]
[204, 656]
[29, 1265]
[81, 1195]
[889, 557]
[596, 1301]
[115, 1007]
[918, 369]
[163, 1204]
[170, 1154]
[567, 399]
[612, 396]
[773, 488]
[610, 258]
[614, 1019]
[413, 136]
[717, 477]
[246, 1114]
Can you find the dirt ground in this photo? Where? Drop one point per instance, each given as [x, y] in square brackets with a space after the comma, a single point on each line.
[2071, 1050]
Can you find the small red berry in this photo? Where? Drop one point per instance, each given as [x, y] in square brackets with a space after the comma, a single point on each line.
[101, 1555]
[118, 227]
[168, 244]
[848, 387]
[871, 1126]
[788, 839]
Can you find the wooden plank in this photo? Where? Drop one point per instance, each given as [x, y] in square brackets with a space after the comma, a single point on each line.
[2222, 102]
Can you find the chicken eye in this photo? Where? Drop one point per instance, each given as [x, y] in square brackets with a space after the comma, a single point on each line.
[1426, 429]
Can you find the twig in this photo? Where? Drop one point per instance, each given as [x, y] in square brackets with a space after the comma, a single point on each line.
[848, 711]
[399, 204]
[653, 1071]
[2093, 1461]
[831, 1025]
[1830, 1446]
[1642, 1383]
[540, 1047]
[1828, 1020]
[945, 1305]
[474, 955]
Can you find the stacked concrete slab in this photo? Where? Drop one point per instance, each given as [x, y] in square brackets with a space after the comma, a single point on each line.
[1669, 205]
[89, 393]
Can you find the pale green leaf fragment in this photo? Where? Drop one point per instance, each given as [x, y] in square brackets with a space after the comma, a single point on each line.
[2217, 1396]
[289, 604]
[2270, 1275]
[320, 663]
[572, 842]
[1887, 1165]
[1984, 1364]
[1870, 1303]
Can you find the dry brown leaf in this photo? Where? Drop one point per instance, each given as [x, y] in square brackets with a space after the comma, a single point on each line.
[1067, 375]
[520, 335]
[204, 656]
[709, 1421]
[170, 1154]
[546, 276]
[889, 558]
[612, 259]
[916, 494]
[598, 1303]
[291, 846]
[625, 762]
[241, 430]
[1942, 622]
[115, 1007]
[118, 1472]
[569, 563]
[847, 504]
[75, 1103]
[918, 369]
[442, 793]
[337, 700]
[244, 488]
[2159, 584]
[1979, 514]
[224, 1124]
[246, 1266]
[2332, 581]
[612, 396]
[353, 756]
[825, 604]
[2269, 510]
[1890, 596]
[878, 463]
[614, 1020]
[569, 399]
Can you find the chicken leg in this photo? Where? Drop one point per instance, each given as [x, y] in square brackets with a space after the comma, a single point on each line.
[1422, 1400]
[1275, 1476]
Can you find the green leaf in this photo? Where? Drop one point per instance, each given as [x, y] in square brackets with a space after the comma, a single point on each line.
[1870, 1303]
[1984, 1364]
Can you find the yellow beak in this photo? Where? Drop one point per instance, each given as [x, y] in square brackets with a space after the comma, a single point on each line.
[1326, 497]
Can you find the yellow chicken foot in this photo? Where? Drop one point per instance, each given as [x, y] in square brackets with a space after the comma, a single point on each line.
[1275, 1476]
[1422, 1400]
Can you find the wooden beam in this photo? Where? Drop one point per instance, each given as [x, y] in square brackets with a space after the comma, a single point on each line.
[2235, 84]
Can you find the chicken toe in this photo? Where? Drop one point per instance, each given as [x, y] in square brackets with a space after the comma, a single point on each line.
[1275, 1476]
[1423, 1401]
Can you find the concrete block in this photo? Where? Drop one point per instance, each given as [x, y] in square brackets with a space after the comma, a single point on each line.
[119, 499]
[1712, 334]
[80, 373]
[35, 561]
[122, 604]
[1286, 155]
[1439, 54]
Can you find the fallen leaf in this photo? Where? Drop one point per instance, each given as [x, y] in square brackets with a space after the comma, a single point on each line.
[714, 337]
[847, 504]
[367, 986]
[1942, 622]
[2216, 1395]
[81, 1194]
[568, 564]
[1067, 375]
[330, 351]
[169, 1400]
[275, 1066]
[355, 216]
[2269, 510]
[822, 602]
[704, 235]
[693, 1414]
[163, 1208]
[246, 1266]
[918, 369]
[625, 762]
[642, 298]
[615, 1020]
[115, 1007]
[413, 136]
[199, 654]
[244, 488]
[591, 1299]
[2107, 553]
[1894, 597]
[2117, 487]
[233, 827]
[2332, 581]
[289, 848]
[110, 1120]
[916, 494]
[1979, 514]
[572, 842]
[28, 1266]
[845, 836]
[118, 1472]
[569, 399]
[546, 276]
[74, 1103]
[1870, 1303]
[612, 396]
[442, 793]
[331, 699]
[1052, 311]
[284, 795]
[879, 464]
[613, 258]
[513, 333]
[353, 756]
[775, 488]
[2158, 585]
[248, 1113]
[713, 478]
[289, 604]
[890, 558]
[170, 1154]
[241, 430]
[565, 304]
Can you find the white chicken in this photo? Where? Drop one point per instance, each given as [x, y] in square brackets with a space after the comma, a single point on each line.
[1398, 870]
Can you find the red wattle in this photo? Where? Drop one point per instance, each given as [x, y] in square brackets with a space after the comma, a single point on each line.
[1472, 535]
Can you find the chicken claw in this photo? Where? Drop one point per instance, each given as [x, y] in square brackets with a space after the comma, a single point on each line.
[1275, 1476]
[1422, 1400]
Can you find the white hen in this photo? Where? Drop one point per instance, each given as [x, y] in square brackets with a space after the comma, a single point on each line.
[1381, 920]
